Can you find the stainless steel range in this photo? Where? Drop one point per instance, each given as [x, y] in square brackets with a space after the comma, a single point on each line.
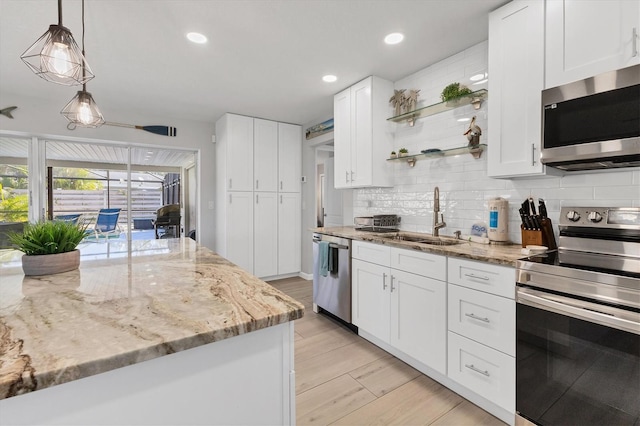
[578, 323]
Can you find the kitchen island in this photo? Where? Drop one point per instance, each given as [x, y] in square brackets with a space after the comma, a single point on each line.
[159, 332]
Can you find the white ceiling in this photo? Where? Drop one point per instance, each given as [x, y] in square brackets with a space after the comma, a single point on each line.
[264, 58]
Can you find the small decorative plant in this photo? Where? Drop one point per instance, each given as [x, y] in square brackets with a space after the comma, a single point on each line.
[49, 237]
[453, 91]
[393, 154]
[403, 151]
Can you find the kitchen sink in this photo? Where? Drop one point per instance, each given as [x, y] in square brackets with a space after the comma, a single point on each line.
[422, 239]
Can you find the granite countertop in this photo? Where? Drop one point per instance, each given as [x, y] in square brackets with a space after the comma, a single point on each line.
[500, 254]
[123, 306]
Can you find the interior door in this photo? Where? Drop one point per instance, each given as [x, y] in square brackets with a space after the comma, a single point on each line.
[332, 201]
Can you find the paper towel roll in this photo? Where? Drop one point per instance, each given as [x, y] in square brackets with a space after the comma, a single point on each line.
[498, 219]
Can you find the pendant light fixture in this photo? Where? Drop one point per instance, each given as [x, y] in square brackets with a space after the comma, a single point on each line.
[82, 110]
[56, 57]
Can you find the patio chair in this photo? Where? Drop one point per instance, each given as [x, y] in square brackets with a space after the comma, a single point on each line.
[73, 218]
[168, 219]
[106, 225]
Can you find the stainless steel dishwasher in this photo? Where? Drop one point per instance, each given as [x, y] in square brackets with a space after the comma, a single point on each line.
[332, 293]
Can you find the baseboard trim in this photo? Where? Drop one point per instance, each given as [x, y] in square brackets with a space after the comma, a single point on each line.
[305, 276]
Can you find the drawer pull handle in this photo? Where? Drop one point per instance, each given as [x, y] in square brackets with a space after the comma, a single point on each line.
[474, 316]
[477, 370]
[384, 281]
[392, 287]
[478, 277]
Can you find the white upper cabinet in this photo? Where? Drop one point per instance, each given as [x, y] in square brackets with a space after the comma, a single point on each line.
[239, 153]
[342, 138]
[516, 71]
[362, 139]
[289, 157]
[265, 146]
[586, 38]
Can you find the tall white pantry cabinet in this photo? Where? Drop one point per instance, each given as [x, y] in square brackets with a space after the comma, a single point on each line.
[258, 200]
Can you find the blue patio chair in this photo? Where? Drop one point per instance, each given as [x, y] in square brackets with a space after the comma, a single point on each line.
[73, 218]
[106, 225]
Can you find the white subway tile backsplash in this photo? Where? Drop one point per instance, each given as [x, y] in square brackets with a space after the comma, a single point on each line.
[464, 186]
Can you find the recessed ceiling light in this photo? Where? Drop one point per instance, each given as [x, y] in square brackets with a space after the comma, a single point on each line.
[462, 120]
[329, 78]
[197, 38]
[478, 77]
[394, 38]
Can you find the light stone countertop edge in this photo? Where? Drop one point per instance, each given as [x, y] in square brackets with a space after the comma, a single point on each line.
[499, 254]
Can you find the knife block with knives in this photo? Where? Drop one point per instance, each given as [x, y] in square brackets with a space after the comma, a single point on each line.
[536, 229]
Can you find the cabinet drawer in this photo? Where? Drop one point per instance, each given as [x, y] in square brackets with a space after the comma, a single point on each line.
[421, 263]
[487, 372]
[374, 253]
[483, 317]
[495, 279]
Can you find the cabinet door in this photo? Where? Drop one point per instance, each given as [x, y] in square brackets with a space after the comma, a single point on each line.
[516, 55]
[419, 318]
[265, 236]
[370, 298]
[239, 153]
[289, 157]
[240, 229]
[265, 160]
[586, 38]
[361, 134]
[342, 138]
[289, 233]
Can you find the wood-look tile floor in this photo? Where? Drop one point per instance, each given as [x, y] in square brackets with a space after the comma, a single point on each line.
[342, 379]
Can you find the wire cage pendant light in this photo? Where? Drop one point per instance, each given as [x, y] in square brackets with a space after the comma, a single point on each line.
[82, 110]
[56, 57]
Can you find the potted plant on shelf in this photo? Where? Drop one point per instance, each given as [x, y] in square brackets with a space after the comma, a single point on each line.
[452, 92]
[393, 155]
[402, 152]
[49, 247]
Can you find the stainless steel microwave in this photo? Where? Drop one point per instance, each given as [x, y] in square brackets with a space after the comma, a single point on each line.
[594, 123]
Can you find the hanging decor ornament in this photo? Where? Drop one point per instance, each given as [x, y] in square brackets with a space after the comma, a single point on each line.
[56, 57]
[82, 110]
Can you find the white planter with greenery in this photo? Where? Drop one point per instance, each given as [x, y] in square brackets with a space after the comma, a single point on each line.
[49, 247]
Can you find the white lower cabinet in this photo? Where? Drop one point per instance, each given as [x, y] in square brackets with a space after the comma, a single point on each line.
[452, 315]
[485, 371]
[289, 233]
[265, 235]
[418, 308]
[403, 309]
[482, 338]
[371, 298]
[239, 242]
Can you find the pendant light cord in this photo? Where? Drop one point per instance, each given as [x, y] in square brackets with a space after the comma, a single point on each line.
[60, 12]
[84, 56]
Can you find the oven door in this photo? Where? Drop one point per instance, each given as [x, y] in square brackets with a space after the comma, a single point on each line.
[577, 362]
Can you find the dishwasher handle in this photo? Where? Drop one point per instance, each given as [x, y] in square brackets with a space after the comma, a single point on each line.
[338, 246]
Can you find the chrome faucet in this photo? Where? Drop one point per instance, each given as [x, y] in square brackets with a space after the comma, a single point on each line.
[436, 209]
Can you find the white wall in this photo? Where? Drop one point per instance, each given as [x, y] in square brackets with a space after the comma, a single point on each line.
[42, 118]
[463, 182]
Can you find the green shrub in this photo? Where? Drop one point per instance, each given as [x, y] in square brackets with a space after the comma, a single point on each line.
[49, 237]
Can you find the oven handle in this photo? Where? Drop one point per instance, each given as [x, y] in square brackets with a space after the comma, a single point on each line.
[575, 308]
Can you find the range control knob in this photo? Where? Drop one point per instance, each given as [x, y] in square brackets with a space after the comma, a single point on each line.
[595, 217]
[573, 215]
